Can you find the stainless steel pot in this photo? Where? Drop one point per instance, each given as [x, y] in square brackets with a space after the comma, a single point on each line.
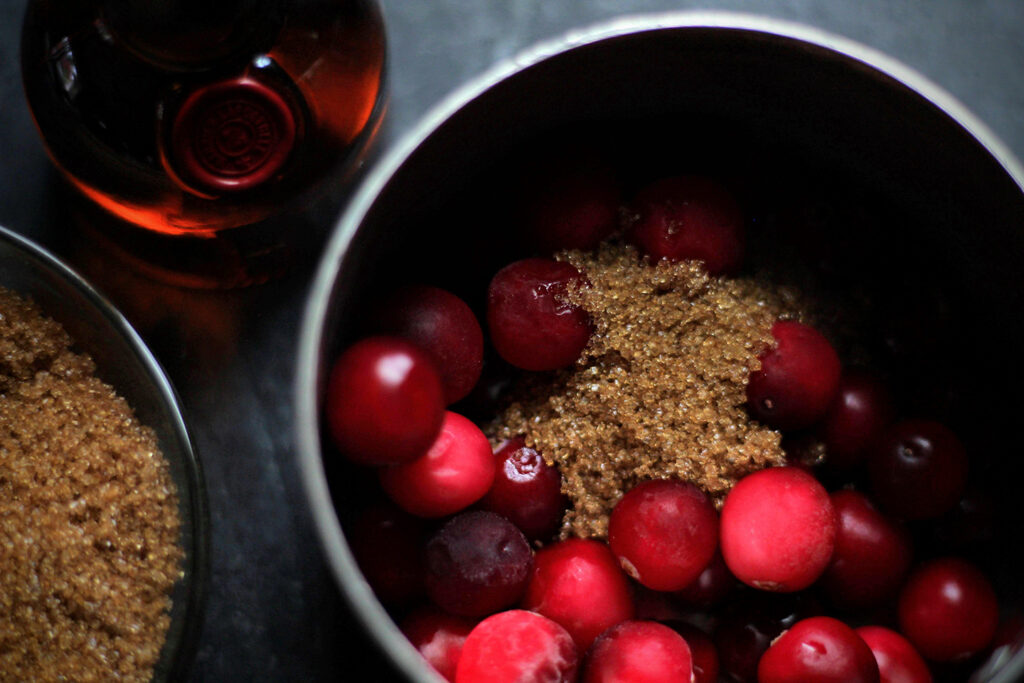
[849, 111]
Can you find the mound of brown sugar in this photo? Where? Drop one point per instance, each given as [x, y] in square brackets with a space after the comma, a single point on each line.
[88, 516]
[660, 389]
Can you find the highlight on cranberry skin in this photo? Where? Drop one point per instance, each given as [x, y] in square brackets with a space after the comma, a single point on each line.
[444, 326]
[526, 490]
[438, 637]
[578, 583]
[948, 610]
[517, 645]
[898, 661]
[778, 529]
[818, 650]
[918, 469]
[639, 652]
[664, 533]
[531, 324]
[798, 378]
[689, 218]
[384, 402]
[455, 472]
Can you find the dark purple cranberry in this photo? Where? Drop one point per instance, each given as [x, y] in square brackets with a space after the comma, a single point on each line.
[532, 325]
[388, 546]
[970, 525]
[477, 564]
[860, 411]
[526, 490]
[711, 587]
[918, 469]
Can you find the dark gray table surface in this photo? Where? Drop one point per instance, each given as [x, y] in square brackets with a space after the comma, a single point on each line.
[273, 612]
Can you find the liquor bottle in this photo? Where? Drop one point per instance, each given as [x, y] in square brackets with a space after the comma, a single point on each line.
[203, 119]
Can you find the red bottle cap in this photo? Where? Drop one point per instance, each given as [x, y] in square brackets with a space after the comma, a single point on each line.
[232, 135]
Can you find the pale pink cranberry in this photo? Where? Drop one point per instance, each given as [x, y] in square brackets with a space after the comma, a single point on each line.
[438, 637]
[918, 469]
[664, 533]
[948, 610]
[443, 325]
[477, 564]
[898, 661]
[711, 586]
[532, 324]
[455, 472]
[798, 378]
[517, 646]
[526, 490]
[818, 650]
[689, 218]
[578, 583]
[388, 546]
[639, 652]
[778, 529]
[860, 411]
[384, 402]
[702, 651]
[872, 554]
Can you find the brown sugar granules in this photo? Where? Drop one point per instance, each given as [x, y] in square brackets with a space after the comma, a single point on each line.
[660, 389]
[88, 516]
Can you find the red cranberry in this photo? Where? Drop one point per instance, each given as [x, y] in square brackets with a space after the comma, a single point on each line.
[702, 651]
[689, 218]
[778, 529]
[711, 587]
[578, 583]
[388, 546]
[518, 646]
[918, 469]
[532, 326]
[948, 610]
[898, 661]
[664, 533]
[527, 490]
[443, 325]
[639, 652]
[384, 403]
[574, 204]
[438, 637]
[860, 411]
[871, 557]
[798, 378]
[455, 472]
[818, 650]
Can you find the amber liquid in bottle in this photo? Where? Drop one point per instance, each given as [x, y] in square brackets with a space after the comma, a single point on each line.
[203, 120]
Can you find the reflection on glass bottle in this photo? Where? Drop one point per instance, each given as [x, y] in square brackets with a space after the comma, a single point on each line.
[199, 119]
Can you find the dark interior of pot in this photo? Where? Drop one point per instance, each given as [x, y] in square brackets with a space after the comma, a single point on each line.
[857, 189]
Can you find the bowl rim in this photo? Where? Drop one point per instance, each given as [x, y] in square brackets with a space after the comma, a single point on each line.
[174, 663]
[354, 587]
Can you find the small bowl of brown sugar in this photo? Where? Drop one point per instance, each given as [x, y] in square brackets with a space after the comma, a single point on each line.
[103, 519]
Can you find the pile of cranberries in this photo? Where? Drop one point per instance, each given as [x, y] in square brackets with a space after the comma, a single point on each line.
[463, 548]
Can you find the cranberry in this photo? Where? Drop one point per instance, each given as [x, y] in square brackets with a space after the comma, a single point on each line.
[639, 652]
[918, 469]
[798, 378]
[532, 325]
[455, 472]
[702, 651]
[970, 525]
[574, 204]
[527, 490]
[517, 646]
[664, 533]
[778, 529]
[818, 650]
[388, 546]
[872, 554]
[860, 411]
[438, 637]
[710, 587]
[443, 325]
[578, 583]
[898, 661]
[948, 610]
[384, 403]
[689, 218]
